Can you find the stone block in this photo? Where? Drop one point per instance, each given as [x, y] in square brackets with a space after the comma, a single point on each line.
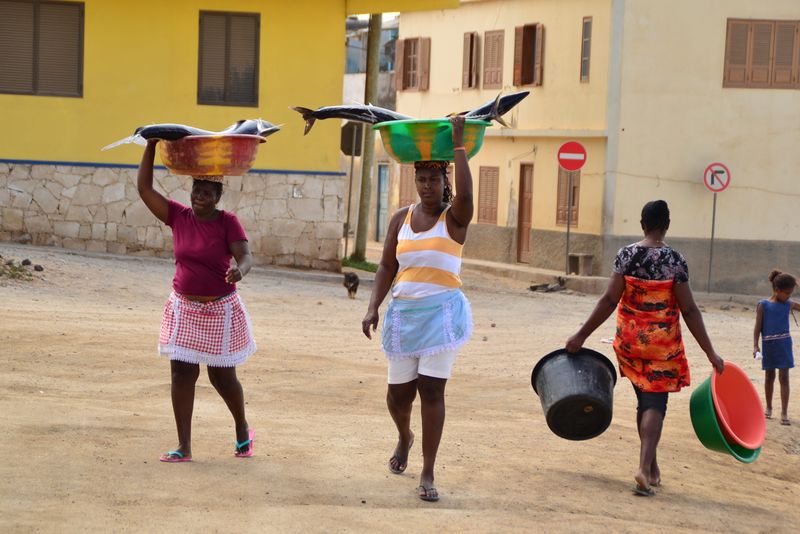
[20, 172]
[42, 172]
[170, 183]
[115, 210]
[113, 193]
[55, 188]
[137, 214]
[38, 223]
[278, 190]
[233, 183]
[20, 200]
[312, 187]
[287, 228]
[273, 209]
[117, 248]
[104, 176]
[99, 214]
[45, 200]
[331, 209]
[98, 231]
[69, 192]
[131, 193]
[94, 245]
[329, 230]
[11, 220]
[111, 232]
[154, 238]
[87, 195]
[327, 265]
[66, 229]
[334, 185]
[230, 200]
[307, 246]
[4, 168]
[66, 180]
[72, 243]
[182, 196]
[253, 183]
[306, 209]
[126, 234]
[141, 235]
[78, 214]
[277, 246]
[86, 231]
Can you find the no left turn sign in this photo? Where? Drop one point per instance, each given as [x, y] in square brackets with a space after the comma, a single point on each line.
[717, 177]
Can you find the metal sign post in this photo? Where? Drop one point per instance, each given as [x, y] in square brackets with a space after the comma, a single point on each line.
[571, 157]
[716, 177]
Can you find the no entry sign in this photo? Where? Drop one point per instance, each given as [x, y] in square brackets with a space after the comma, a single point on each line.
[571, 156]
[717, 177]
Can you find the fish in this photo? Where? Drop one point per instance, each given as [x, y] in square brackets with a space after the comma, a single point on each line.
[172, 132]
[356, 112]
[495, 109]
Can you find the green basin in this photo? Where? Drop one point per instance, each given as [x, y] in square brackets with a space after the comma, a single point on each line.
[706, 425]
[426, 140]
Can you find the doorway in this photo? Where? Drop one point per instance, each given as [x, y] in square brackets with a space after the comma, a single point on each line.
[525, 212]
[383, 202]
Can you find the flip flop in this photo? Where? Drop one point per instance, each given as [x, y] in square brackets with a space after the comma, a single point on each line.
[428, 494]
[402, 467]
[768, 414]
[644, 492]
[785, 421]
[250, 441]
[174, 457]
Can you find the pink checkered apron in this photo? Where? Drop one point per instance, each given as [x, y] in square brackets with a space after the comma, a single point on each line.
[216, 333]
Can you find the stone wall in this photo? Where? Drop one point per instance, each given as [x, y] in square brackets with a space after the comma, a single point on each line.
[291, 219]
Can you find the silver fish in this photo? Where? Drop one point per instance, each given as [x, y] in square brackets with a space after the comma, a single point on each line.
[357, 112]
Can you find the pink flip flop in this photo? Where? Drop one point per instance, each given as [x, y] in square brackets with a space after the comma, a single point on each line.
[173, 457]
[251, 434]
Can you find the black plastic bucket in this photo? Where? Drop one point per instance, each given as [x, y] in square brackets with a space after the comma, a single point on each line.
[577, 392]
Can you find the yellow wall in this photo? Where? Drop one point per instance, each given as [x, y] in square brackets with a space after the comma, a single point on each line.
[385, 6]
[140, 67]
[560, 110]
[676, 118]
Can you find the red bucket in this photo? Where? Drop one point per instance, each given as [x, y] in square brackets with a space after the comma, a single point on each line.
[738, 407]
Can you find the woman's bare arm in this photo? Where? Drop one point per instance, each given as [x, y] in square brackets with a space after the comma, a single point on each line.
[154, 200]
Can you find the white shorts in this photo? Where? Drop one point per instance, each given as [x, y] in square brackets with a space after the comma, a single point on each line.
[404, 370]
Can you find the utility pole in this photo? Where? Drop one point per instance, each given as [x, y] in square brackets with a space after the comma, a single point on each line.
[368, 151]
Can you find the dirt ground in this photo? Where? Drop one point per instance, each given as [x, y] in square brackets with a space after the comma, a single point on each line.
[85, 413]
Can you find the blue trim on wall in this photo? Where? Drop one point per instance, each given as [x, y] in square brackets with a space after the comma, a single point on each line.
[160, 167]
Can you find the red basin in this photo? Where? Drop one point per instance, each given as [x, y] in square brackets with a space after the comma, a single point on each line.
[210, 155]
[738, 407]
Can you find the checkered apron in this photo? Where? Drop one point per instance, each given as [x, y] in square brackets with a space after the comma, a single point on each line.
[216, 333]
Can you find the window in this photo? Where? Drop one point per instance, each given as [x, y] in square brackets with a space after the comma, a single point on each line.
[565, 195]
[493, 59]
[472, 50]
[528, 54]
[412, 64]
[408, 190]
[487, 194]
[586, 48]
[228, 62]
[762, 53]
[41, 48]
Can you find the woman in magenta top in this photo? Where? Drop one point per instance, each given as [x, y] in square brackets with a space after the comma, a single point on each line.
[205, 321]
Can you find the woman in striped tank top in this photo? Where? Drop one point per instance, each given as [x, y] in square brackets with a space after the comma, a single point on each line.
[428, 318]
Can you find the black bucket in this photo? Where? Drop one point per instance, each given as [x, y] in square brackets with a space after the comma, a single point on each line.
[577, 392]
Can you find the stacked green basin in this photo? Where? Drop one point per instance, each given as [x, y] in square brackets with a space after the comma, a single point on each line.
[706, 426]
[408, 141]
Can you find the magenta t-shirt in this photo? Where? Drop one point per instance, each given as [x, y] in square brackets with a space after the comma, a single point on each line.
[202, 250]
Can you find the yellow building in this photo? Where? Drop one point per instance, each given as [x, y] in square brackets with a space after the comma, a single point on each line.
[75, 76]
[655, 92]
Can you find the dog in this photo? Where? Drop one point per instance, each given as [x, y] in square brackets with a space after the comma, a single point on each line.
[351, 283]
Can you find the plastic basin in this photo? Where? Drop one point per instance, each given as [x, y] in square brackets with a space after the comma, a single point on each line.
[706, 426]
[210, 155]
[413, 140]
[738, 407]
[576, 392]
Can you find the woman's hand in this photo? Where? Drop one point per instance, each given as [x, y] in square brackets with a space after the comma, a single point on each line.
[458, 130]
[233, 275]
[717, 362]
[575, 343]
[370, 319]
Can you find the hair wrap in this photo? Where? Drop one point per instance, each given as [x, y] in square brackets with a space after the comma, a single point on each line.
[434, 164]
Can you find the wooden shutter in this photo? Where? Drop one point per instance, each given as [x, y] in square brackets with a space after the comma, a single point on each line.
[424, 63]
[488, 183]
[736, 54]
[586, 48]
[564, 197]
[16, 47]
[761, 51]
[475, 64]
[408, 190]
[242, 72]
[399, 58]
[519, 53]
[493, 59]
[538, 59]
[787, 35]
[469, 68]
[211, 70]
[60, 49]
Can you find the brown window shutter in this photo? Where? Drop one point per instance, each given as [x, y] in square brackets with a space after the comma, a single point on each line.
[519, 39]
[243, 60]
[211, 71]
[586, 48]
[493, 59]
[476, 54]
[424, 63]
[16, 47]
[466, 62]
[538, 61]
[59, 44]
[736, 54]
[399, 57]
[561, 201]
[784, 73]
[761, 53]
[576, 195]
[487, 194]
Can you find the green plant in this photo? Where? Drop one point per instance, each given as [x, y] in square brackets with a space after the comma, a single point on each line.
[362, 265]
[14, 272]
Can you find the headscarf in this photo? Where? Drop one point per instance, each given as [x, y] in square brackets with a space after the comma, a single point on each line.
[209, 177]
[433, 164]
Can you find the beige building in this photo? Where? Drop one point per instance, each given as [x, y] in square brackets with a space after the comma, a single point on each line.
[655, 92]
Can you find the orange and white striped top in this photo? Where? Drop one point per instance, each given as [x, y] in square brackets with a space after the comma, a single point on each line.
[429, 262]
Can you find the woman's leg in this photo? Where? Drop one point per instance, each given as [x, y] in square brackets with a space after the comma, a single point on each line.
[227, 384]
[655, 471]
[783, 378]
[431, 393]
[652, 422]
[184, 378]
[399, 400]
[769, 384]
